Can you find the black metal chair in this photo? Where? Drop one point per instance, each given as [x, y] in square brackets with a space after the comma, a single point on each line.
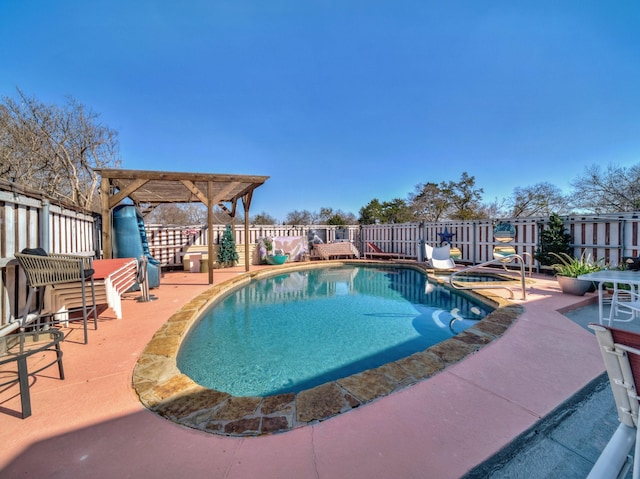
[19, 348]
[631, 263]
[42, 270]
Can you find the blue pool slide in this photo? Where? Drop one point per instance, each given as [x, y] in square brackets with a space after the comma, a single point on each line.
[129, 240]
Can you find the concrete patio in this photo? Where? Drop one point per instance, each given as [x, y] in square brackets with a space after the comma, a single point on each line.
[92, 424]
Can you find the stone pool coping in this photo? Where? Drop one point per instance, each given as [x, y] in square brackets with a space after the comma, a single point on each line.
[163, 389]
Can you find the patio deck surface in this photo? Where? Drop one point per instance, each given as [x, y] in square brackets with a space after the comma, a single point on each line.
[92, 424]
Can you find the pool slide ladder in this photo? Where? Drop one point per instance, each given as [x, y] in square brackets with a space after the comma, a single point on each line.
[496, 284]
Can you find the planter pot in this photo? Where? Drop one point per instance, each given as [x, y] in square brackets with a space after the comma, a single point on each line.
[277, 259]
[575, 286]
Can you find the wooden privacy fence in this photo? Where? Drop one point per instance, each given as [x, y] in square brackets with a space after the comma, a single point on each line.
[606, 237]
[168, 244]
[30, 221]
[603, 237]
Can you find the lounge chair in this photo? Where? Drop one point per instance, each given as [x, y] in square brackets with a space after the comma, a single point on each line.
[335, 250]
[374, 251]
[621, 354]
[44, 270]
[439, 257]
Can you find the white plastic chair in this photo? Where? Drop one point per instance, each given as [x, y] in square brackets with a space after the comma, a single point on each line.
[439, 257]
[621, 354]
[628, 304]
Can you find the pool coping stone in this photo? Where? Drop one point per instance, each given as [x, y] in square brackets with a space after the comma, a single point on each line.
[163, 389]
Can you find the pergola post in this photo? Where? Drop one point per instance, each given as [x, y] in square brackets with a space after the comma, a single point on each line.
[210, 228]
[107, 252]
[246, 202]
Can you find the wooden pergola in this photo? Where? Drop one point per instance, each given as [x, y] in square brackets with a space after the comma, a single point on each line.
[149, 189]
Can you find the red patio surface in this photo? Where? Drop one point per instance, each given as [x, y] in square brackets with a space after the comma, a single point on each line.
[92, 424]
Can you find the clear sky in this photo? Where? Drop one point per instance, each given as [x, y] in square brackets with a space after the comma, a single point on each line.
[342, 101]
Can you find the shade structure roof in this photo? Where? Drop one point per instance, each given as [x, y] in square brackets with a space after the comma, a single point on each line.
[151, 188]
[148, 189]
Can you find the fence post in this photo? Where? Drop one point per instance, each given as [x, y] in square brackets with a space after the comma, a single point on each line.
[44, 227]
[623, 238]
[421, 242]
[474, 246]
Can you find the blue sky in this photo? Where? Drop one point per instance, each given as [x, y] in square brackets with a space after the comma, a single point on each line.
[340, 102]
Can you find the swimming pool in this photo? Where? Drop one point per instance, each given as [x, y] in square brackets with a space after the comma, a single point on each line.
[298, 330]
[165, 390]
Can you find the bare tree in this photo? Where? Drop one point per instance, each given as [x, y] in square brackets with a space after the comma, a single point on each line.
[183, 214]
[329, 216]
[304, 217]
[541, 199]
[429, 202]
[55, 149]
[464, 196]
[494, 209]
[452, 199]
[263, 219]
[615, 189]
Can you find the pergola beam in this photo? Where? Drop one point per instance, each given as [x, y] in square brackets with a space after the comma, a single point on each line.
[125, 192]
[195, 191]
[158, 187]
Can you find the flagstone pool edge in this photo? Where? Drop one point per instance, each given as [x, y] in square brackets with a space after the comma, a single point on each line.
[163, 389]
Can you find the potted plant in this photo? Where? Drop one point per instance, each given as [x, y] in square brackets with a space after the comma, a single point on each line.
[278, 257]
[569, 268]
[265, 249]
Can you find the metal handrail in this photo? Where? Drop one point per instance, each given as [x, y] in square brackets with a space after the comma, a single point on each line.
[507, 259]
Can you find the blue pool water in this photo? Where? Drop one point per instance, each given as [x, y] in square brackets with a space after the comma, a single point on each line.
[295, 331]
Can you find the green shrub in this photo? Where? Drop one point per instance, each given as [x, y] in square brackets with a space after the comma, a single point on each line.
[227, 254]
[554, 240]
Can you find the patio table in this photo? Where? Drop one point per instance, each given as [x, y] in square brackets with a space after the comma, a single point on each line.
[617, 278]
[19, 347]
